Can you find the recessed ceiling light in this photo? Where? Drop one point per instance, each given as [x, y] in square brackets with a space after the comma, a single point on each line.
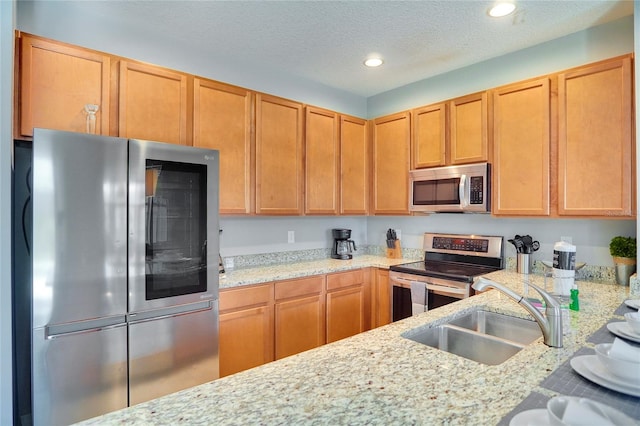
[373, 62]
[501, 9]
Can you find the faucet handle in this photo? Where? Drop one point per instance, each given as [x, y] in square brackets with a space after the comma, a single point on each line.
[548, 298]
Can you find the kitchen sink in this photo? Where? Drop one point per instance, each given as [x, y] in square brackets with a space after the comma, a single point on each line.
[482, 336]
[504, 326]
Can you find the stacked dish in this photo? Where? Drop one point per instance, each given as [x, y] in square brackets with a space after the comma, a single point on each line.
[570, 410]
[615, 366]
[628, 330]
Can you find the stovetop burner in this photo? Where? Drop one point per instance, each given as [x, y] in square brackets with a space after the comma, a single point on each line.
[450, 270]
[456, 257]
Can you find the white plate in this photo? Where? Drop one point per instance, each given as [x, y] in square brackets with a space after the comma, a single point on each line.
[633, 303]
[536, 417]
[622, 329]
[587, 365]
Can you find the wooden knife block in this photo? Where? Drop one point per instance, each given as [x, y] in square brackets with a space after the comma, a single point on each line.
[395, 252]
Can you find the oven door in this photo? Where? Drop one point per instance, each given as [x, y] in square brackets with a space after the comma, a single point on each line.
[413, 294]
[173, 225]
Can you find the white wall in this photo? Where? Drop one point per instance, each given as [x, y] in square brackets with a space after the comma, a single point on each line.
[7, 18]
[55, 20]
[594, 44]
[269, 234]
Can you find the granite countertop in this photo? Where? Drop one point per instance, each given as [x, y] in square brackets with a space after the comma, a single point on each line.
[285, 271]
[379, 377]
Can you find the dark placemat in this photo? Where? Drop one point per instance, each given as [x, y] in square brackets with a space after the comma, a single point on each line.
[623, 309]
[603, 335]
[565, 381]
[532, 401]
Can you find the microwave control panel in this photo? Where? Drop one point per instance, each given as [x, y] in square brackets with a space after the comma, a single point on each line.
[476, 189]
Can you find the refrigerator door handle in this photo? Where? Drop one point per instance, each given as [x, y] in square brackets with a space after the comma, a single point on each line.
[155, 314]
[90, 326]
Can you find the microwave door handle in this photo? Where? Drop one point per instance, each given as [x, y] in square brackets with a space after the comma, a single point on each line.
[462, 191]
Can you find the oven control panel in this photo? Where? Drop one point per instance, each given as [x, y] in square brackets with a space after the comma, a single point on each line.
[463, 244]
[476, 245]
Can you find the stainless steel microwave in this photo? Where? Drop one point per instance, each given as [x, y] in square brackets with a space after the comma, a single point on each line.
[455, 189]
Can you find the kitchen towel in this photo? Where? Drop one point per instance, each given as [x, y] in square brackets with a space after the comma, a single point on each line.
[418, 297]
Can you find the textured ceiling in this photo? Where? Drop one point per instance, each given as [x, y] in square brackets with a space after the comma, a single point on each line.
[326, 41]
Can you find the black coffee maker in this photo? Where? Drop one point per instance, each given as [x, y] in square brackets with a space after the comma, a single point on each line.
[343, 247]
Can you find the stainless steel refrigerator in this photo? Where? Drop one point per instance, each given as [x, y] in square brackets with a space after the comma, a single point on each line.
[115, 274]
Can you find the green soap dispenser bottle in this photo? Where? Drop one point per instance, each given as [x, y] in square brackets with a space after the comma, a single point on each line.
[574, 305]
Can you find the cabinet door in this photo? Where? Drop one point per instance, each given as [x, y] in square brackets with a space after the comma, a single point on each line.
[57, 81]
[354, 166]
[391, 138]
[521, 127]
[222, 121]
[595, 144]
[429, 141]
[152, 103]
[382, 297]
[469, 138]
[322, 149]
[345, 305]
[246, 328]
[278, 156]
[299, 315]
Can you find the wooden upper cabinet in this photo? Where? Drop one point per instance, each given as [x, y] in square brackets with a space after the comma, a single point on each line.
[56, 82]
[279, 171]
[469, 134]
[322, 155]
[521, 126]
[429, 144]
[354, 166]
[595, 143]
[152, 103]
[391, 141]
[222, 120]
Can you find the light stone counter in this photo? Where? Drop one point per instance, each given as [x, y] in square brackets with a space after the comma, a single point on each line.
[379, 377]
[285, 271]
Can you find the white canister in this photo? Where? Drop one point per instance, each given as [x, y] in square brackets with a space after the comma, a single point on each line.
[564, 267]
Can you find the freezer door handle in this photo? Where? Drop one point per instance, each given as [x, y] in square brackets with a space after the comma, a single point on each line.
[172, 311]
[89, 326]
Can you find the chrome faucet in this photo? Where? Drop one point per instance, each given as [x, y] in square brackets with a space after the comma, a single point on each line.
[551, 326]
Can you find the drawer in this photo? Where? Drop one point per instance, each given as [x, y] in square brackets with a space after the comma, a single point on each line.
[236, 298]
[299, 287]
[344, 279]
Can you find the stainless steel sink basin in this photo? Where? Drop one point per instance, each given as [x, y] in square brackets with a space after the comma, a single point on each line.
[504, 326]
[481, 336]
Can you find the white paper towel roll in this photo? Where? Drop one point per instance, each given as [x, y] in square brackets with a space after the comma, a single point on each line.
[564, 267]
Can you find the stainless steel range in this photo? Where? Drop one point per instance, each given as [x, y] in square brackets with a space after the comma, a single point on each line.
[451, 261]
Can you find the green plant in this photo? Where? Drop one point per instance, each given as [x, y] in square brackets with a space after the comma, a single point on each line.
[623, 247]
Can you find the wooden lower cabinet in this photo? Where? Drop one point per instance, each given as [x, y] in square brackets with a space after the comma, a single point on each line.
[381, 304]
[246, 328]
[261, 323]
[346, 305]
[299, 315]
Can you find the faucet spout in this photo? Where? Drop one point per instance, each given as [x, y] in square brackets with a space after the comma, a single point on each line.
[550, 323]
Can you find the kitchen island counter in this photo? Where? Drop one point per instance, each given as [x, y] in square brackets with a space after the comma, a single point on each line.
[379, 377]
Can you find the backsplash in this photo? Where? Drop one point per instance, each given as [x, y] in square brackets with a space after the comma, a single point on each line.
[586, 273]
[265, 259]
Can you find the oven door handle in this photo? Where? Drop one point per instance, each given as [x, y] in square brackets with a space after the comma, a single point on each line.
[445, 289]
[402, 281]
